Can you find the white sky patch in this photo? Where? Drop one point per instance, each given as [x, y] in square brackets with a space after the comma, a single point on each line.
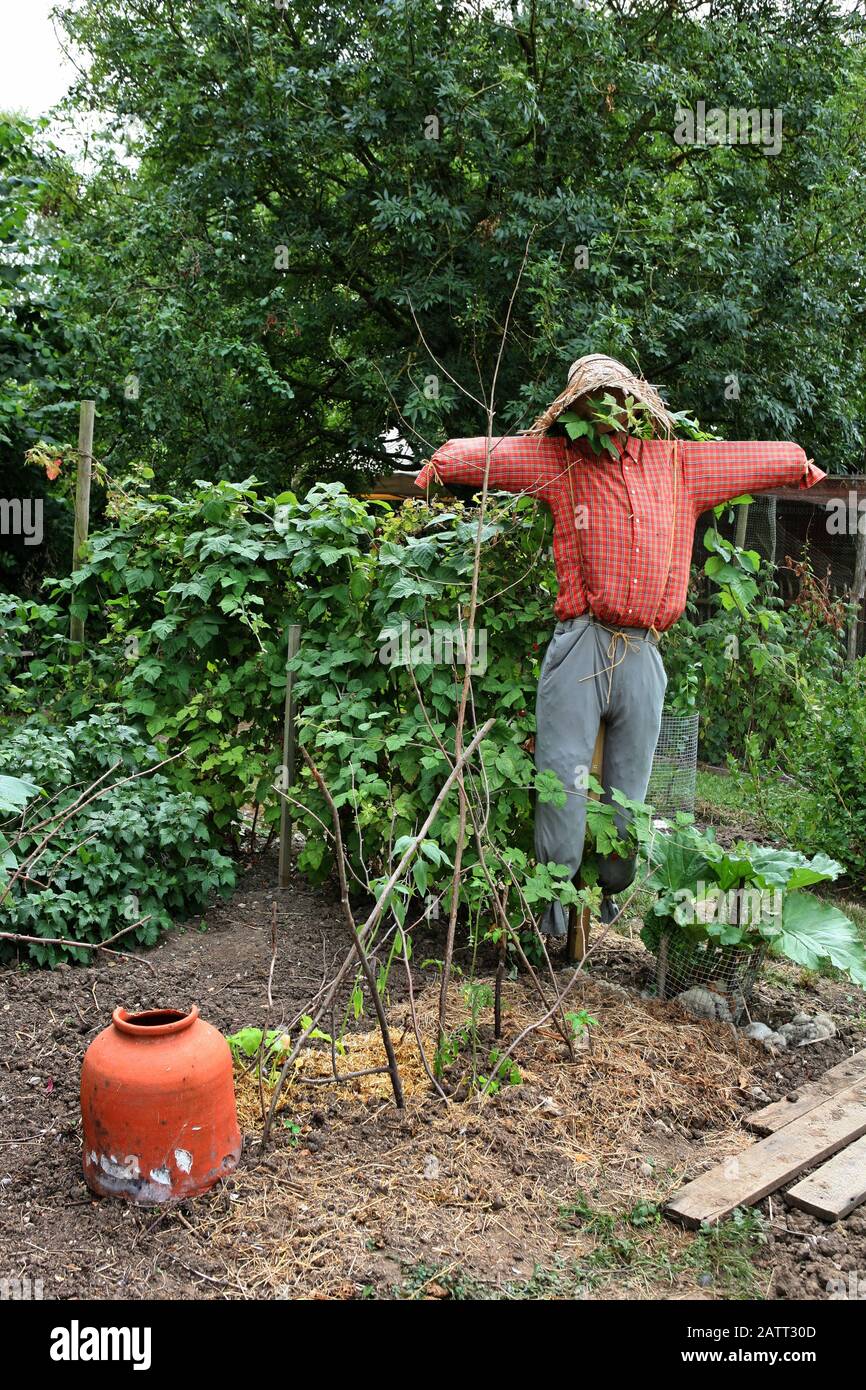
[34, 73]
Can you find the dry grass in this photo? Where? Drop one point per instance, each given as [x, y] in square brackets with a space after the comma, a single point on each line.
[479, 1185]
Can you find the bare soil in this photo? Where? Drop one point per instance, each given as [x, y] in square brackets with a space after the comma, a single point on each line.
[548, 1189]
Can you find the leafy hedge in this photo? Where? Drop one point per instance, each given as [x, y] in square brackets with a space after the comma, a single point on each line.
[140, 850]
[827, 748]
[196, 596]
[749, 675]
[188, 603]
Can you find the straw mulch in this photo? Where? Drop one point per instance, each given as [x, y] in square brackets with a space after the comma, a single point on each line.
[366, 1191]
[646, 1060]
[361, 1052]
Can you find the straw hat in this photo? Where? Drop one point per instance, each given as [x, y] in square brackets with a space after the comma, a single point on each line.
[590, 375]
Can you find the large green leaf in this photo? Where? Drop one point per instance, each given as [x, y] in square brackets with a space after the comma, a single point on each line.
[14, 794]
[813, 932]
[680, 861]
[785, 868]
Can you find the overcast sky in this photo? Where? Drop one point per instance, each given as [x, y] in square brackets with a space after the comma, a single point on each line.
[33, 72]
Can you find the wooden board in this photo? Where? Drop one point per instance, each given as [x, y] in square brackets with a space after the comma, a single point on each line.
[836, 1188]
[782, 1112]
[748, 1176]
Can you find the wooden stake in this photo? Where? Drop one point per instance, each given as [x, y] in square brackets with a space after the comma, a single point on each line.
[742, 525]
[82, 499]
[858, 594]
[578, 926]
[288, 768]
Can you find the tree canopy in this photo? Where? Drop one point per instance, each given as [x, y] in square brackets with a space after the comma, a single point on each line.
[305, 222]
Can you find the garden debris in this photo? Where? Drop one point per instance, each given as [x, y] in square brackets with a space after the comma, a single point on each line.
[835, 1189]
[770, 1163]
[803, 1030]
[809, 1095]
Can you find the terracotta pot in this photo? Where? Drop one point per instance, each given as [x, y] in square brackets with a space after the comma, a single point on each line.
[158, 1105]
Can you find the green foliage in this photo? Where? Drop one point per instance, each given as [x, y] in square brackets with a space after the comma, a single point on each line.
[825, 748]
[580, 1022]
[601, 416]
[748, 895]
[196, 592]
[193, 597]
[140, 850]
[14, 796]
[265, 214]
[199, 593]
[749, 673]
[28, 676]
[632, 417]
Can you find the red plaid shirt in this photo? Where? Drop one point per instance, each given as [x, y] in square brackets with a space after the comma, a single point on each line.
[623, 528]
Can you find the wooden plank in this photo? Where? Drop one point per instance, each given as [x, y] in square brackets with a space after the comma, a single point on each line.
[746, 1177]
[836, 1188]
[782, 1112]
[835, 487]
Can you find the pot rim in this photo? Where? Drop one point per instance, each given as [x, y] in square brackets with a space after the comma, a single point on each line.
[130, 1023]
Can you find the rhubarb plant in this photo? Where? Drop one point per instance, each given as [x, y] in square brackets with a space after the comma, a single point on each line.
[747, 895]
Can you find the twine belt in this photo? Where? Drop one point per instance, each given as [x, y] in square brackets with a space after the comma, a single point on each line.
[630, 643]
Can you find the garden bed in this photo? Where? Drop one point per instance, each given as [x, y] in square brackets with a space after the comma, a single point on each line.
[548, 1189]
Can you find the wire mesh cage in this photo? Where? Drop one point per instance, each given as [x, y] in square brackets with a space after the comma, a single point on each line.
[719, 980]
[674, 771]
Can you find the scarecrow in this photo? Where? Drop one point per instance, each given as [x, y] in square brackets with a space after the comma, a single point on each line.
[625, 495]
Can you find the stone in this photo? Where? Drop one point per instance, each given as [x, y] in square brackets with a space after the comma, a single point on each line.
[803, 1030]
[704, 1004]
[758, 1031]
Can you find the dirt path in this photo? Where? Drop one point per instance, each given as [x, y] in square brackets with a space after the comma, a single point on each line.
[549, 1189]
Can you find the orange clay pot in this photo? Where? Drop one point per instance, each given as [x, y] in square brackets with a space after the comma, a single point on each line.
[158, 1105]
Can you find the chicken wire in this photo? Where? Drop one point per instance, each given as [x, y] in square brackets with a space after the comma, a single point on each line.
[674, 771]
[775, 532]
[719, 980]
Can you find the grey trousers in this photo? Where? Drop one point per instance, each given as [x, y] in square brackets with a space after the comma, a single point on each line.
[589, 674]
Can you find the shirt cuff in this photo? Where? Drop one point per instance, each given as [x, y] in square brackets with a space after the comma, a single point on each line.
[426, 476]
[812, 475]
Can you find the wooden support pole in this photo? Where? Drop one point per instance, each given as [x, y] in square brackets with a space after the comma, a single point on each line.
[579, 923]
[82, 499]
[742, 525]
[287, 771]
[858, 594]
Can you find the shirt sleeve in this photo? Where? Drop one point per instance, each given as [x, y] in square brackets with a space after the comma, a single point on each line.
[518, 463]
[718, 471]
